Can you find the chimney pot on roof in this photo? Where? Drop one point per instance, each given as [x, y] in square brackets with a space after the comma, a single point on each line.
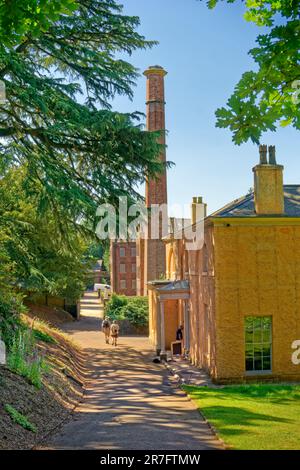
[198, 210]
[172, 226]
[272, 155]
[263, 155]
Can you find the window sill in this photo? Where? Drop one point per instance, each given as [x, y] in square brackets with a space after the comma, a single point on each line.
[258, 372]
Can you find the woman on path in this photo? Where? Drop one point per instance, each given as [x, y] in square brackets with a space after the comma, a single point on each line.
[114, 332]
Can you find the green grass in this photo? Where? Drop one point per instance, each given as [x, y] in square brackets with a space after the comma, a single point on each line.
[261, 417]
[19, 418]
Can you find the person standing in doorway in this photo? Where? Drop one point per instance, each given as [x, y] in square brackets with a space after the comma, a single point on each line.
[179, 333]
[114, 332]
[106, 328]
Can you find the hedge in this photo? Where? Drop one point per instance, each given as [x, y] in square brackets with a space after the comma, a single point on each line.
[133, 309]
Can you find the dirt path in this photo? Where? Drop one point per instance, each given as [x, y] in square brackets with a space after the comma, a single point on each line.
[130, 403]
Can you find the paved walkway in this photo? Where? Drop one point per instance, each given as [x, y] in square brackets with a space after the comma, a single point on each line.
[130, 402]
[185, 373]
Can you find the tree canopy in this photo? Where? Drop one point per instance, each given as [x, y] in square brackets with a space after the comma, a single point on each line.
[34, 257]
[63, 148]
[269, 95]
[18, 18]
[58, 117]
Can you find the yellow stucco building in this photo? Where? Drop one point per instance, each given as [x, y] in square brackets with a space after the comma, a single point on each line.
[238, 294]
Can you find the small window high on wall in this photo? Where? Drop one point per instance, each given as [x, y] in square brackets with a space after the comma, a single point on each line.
[258, 344]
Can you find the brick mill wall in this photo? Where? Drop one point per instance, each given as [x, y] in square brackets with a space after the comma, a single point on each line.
[128, 260]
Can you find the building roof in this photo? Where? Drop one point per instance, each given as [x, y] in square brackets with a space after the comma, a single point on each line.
[175, 286]
[244, 206]
[166, 286]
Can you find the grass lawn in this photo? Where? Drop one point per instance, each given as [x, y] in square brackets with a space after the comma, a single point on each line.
[252, 416]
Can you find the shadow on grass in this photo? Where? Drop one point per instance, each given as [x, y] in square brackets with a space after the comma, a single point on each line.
[224, 417]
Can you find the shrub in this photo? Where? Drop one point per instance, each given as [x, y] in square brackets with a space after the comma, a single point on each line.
[19, 418]
[10, 322]
[23, 358]
[133, 309]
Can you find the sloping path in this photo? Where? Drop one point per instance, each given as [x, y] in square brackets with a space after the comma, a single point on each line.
[130, 403]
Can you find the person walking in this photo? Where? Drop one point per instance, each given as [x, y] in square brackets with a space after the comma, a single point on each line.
[114, 332]
[106, 328]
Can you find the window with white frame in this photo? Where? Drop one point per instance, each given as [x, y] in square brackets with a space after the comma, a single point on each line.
[258, 344]
[123, 283]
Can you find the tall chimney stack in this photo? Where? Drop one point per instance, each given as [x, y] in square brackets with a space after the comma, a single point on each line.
[268, 184]
[156, 189]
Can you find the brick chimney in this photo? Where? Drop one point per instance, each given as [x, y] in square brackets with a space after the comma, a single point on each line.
[268, 184]
[156, 189]
[198, 210]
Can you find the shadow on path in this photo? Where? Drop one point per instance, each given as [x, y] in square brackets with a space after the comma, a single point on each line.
[129, 403]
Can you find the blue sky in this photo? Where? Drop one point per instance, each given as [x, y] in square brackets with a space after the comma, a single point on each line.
[205, 53]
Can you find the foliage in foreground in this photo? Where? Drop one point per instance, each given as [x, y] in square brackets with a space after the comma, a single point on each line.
[10, 322]
[34, 254]
[19, 418]
[270, 96]
[254, 417]
[24, 358]
[19, 18]
[133, 309]
[58, 118]
[63, 149]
